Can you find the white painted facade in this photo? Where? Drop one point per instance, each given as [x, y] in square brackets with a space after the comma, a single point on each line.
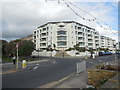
[67, 34]
[107, 42]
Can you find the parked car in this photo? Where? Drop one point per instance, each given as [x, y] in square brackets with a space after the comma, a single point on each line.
[100, 53]
[104, 53]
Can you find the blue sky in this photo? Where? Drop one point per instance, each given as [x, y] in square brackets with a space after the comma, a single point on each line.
[20, 18]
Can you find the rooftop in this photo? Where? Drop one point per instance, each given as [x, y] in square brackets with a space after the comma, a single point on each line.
[66, 22]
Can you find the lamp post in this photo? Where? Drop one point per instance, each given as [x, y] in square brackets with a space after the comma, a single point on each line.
[50, 48]
[38, 53]
[17, 45]
[86, 51]
[115, 51]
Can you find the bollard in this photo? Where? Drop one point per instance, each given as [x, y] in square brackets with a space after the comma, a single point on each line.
[23, 63]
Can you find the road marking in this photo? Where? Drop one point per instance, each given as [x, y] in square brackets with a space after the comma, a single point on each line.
[50, 85]
[54, 62]
[36, 67]
[9, 71]
[100, 60]
[37, 64]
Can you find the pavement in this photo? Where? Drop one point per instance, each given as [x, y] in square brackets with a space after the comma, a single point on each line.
[75, 81]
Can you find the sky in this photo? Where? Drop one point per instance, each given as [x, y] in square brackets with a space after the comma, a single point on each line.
[20, 17]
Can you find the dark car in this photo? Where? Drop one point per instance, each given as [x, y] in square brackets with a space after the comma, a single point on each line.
[101, 53]
[104, 53]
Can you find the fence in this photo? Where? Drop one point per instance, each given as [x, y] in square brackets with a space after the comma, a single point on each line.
[81, 66]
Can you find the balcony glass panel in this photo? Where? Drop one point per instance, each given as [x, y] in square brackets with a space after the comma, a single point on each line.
[62, 32]
[61, 38]
[62, 43]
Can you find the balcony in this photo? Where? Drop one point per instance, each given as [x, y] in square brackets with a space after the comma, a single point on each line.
[61, 28]
[80, 31]
[96, 42]
[62, 35]
[44, 31]
[89, 33]
[96, 38]
[62, 40]
[89, 37]
[82, 45]
[43, 46]
[81, 40]
[80, 35]
[43, 36]
[43, 41]
[90, 41]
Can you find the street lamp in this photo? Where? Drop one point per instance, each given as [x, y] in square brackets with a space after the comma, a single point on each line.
[86, 51]
[50, 48]
[38, 53]
[17, 46]
[115, 51]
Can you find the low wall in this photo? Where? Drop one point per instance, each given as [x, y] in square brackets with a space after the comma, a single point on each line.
[44, 53]
[81, 54]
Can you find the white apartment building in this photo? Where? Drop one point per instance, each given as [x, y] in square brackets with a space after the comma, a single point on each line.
[107, 42]
[66, 34]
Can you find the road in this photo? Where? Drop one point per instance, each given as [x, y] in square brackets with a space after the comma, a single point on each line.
[46, 72]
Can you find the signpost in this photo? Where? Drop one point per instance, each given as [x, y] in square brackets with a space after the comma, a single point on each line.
[17, 45]
[86, 52]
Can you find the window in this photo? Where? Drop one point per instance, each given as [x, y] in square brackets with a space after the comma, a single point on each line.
[76, 32]
[83, 29]
[61, 43]
[34, 32]
[47, 28]
[75, 27]
[79, 27]
[37, 32]
[61, 38]
[61, 25]
[88, 30]
[80, 33]
[44, 29]
[61, 32]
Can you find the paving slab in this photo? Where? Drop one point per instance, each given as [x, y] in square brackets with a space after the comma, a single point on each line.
[75, 81]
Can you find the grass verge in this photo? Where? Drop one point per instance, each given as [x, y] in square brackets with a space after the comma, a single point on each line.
[99, 77]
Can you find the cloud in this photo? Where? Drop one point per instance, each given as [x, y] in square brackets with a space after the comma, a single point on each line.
[60, 0]
[20, 18]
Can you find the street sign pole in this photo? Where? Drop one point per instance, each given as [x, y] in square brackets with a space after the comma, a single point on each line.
[17, 57]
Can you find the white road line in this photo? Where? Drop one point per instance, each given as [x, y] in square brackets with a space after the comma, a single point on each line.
[36, 67]
[53, 62]
[100, 60]
[37, 64]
